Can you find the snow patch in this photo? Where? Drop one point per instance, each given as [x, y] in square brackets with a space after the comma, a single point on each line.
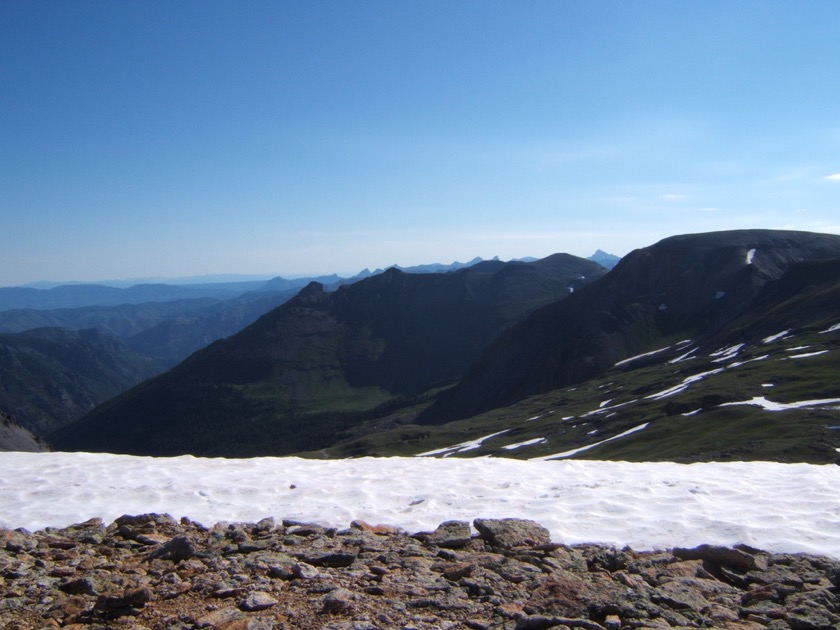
[830, 329]
[676, 389]
[725, 354]
[750, 256]
[575, 451]
[463, 447]
[769, 405]
[753, 360]
[683, 357]
[511, 447]
[807, 355]
[775, 337]
[641, 356]
[604, 409]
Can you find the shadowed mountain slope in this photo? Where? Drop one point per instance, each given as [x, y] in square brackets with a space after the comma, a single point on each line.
[51, 376]
[688, 286]
[324, 359]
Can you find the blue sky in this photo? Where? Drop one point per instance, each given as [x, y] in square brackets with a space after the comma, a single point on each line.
[161, 139]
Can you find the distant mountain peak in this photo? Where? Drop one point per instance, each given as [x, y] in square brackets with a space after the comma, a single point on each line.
[604, 259]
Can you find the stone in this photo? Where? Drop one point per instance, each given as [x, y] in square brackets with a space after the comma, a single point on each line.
[509, 533]
[80, 586]
[723, 556]
[374, 529]
[335, 559]
[306, 571]
[128, 603]
[177, 549]
[451, 535]
[337, 602]
[506, 577]
[257, 600]
[218, 618]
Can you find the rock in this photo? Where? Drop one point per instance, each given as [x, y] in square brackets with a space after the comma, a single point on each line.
[337, 602]
[723, 556]
[451, 535]
[375, 529]
[257, 600]
[17, 540]
[679, 596]
[81, 586]
[512, 532]
[306, 571]
[338, 559]
[538, 623]
[178, 548]
[91, 531]
[459, 571]
[245, 576]
[219, 618]
[129, 603]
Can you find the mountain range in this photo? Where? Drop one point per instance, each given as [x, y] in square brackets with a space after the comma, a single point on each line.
[684, 287]
[325, 360]
[709, 346]
[145, 328]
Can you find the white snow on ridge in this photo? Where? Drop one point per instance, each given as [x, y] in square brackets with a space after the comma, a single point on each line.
[763, 357]
[641, 356]
[806, 355]
[725, 354]
[775, 337]
[603, 408]
[750, 256]
[830, 329]
[532, 442]
[683, 357]
[777, 507]
[575, 451]
[463, 447]
[769, 405]
[688, 380]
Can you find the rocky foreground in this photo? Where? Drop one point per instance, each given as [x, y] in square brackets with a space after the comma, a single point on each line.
[152, 572]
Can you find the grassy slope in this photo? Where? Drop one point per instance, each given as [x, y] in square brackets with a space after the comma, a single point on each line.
[573, 417]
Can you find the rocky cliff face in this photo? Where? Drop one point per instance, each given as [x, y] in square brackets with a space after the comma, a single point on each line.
[14, 437]
[152, 572]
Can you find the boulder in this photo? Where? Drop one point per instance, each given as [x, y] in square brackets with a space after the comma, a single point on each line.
[509, 533]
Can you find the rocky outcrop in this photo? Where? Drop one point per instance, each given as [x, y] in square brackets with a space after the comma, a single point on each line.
[14, 437]
[153, 572]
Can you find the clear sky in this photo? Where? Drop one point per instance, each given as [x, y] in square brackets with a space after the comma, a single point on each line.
[149, 139]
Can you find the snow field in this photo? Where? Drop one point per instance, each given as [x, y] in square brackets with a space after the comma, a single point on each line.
[777, 507]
